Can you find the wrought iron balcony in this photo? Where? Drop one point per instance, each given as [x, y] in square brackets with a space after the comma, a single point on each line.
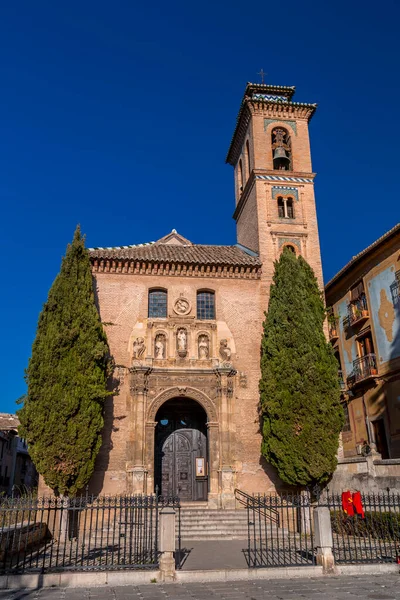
[364, 368]
[356, 314]
[395, 289]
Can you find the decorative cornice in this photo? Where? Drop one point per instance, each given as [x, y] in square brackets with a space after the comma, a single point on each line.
[146, 267]
[294, 179]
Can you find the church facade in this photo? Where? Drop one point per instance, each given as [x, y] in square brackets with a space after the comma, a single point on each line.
[184, 322]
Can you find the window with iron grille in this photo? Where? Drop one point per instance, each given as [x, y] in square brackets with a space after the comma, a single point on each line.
[157, 303]
[205, 305]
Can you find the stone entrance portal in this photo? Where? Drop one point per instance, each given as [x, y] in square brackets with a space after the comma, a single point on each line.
[181, 464]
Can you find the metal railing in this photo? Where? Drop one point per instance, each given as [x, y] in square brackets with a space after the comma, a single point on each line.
[246, 500]
[356, 312]
[371, 536]
[85, 533]
[363, 367]
[285, 541]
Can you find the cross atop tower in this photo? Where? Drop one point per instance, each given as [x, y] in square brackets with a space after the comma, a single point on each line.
[262, 75]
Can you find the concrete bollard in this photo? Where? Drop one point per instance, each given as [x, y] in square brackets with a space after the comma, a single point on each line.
[323, 538]
[167, 544]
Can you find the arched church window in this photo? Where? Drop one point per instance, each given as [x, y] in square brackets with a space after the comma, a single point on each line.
[205, 305]
[281, 149]
[248, 158]
[157, 304]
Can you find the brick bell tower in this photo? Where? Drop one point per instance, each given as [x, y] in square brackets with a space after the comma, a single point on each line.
[274, 182]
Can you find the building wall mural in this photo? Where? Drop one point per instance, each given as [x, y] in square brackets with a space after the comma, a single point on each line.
[385, 315]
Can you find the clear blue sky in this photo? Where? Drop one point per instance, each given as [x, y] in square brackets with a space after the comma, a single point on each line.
[118, 115]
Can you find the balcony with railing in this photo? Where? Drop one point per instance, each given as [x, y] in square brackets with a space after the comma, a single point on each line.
[395, 289]
[364, 367]
[357, 313]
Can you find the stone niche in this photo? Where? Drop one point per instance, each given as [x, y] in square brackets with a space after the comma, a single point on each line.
[182, 342]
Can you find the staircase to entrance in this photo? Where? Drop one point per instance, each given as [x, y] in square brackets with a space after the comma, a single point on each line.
[201, 523]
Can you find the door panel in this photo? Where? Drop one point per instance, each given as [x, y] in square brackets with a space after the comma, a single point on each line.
[178, 476]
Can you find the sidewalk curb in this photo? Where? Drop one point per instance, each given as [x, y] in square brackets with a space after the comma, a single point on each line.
[122, 578]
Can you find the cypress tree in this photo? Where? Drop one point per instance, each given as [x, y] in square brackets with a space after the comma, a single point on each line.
[299, 388]
[62, 414]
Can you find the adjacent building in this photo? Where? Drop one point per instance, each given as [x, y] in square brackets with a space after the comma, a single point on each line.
[17, 472]
[364, 328]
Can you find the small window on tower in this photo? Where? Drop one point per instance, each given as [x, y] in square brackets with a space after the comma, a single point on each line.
[240, 177]
[285, 208]
[281, 207]
[248, 158]
[289, 208]
[281, 149]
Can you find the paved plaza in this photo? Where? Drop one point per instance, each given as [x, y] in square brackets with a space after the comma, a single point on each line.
[368, 587]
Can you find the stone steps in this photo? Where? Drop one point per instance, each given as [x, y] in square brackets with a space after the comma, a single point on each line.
[205, 524]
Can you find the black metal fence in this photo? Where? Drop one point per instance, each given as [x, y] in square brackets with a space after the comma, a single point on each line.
[280, 530]
[369, 532]
[85, 533]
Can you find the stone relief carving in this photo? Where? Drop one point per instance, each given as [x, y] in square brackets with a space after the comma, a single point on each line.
[182, 306]
[138, 348]
[160, 346]
[243, 380]
[224, 351]
[120, 373]
[203, 347]
[181, 342]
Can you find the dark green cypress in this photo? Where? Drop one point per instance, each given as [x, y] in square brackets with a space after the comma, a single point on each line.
[299, 388]
[62, 414]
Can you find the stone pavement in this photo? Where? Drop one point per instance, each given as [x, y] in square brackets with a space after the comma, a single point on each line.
[367, 587]
[223, 554]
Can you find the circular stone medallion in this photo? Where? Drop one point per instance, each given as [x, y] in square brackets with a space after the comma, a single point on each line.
[182, 306]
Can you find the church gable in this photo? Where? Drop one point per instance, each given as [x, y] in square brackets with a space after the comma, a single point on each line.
[174, 238]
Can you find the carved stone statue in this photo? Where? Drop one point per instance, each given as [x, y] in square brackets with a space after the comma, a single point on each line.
[204, 347]
[181, 341]
[224, 351]
[159, 347]
[138, 348]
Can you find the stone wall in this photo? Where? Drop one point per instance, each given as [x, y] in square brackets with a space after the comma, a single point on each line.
[366, 474]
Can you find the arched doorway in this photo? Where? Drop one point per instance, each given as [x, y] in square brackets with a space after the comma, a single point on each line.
[181, 457]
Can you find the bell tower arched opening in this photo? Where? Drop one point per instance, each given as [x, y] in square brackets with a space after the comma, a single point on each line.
[181, 450]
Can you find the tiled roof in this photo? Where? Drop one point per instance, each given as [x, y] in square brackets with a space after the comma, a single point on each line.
[363, 253]
[8, 422]
[194, 254]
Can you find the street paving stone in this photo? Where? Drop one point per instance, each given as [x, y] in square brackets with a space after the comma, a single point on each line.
[366, 587]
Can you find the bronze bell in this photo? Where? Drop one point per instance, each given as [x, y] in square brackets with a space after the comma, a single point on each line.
[280, 153]
[281, 160]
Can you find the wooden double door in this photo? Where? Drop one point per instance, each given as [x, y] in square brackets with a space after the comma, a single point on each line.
[181, 453]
